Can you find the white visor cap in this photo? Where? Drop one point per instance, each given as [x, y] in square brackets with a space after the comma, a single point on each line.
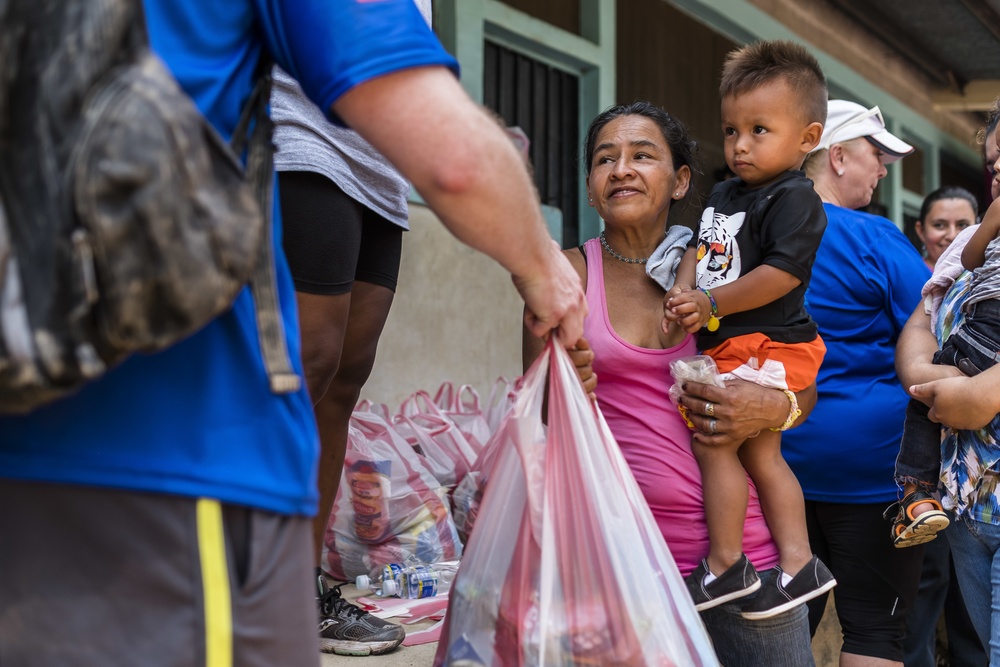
[849, 120]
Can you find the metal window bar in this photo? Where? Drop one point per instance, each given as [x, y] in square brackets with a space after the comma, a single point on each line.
[544, 102]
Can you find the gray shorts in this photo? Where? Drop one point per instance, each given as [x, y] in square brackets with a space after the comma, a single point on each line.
[93, 576]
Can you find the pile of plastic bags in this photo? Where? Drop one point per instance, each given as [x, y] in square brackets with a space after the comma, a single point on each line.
[565, 566]
[396, 497]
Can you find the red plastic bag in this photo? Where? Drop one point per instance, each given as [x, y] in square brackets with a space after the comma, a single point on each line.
[566, 566]
[389, 507]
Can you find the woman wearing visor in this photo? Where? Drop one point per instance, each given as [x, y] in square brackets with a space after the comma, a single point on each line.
[865, 283]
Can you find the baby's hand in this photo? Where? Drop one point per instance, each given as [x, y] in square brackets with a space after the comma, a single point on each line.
[678, 288]
[669, 317]
[690, 309]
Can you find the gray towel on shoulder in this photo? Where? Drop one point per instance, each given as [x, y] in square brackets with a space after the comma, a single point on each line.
[662, 264]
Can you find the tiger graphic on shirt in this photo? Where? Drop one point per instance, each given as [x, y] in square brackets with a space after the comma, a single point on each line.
[718, 255]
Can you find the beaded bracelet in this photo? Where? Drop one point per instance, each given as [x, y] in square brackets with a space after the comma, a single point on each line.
[713, 319]
[793, 413]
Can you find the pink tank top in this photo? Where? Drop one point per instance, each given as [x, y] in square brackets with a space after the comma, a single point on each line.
[632, 392]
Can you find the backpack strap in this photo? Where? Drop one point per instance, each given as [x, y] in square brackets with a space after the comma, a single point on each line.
[263, 284]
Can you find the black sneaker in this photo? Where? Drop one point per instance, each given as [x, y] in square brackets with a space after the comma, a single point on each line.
[812, 581]
[345, 629]
[738, 581]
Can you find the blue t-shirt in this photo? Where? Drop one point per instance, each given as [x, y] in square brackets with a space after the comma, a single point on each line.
[199, 418]
[866, 282]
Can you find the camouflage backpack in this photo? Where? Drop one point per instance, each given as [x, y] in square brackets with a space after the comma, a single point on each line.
[126, 222]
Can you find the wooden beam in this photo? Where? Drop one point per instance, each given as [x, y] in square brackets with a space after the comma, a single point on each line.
[976, 95]
[984, 13]
[881, 26]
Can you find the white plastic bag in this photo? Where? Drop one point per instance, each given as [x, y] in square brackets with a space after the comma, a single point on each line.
[566, 565]
[435, 435]
[500, 401]
[388, 506]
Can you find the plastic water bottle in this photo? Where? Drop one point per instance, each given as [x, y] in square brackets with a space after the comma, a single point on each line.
[410, 581]
[385, 581]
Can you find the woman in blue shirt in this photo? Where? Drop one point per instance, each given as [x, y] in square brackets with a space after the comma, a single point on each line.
[865, 282]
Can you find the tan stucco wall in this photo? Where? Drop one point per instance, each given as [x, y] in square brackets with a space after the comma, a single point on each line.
[456, 316]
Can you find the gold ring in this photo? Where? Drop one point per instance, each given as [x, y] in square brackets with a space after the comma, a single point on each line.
[709, 408]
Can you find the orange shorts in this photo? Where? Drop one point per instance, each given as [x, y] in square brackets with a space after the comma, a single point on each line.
[758, 359]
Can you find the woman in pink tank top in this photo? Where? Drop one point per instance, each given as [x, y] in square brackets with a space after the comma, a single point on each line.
[639, 161]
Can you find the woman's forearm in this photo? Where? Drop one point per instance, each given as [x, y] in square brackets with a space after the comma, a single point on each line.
[739, 410]
[915, 349]
[963, 402]
[957, 401]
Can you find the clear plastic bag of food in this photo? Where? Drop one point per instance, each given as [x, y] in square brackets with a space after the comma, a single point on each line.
[698, 368]
[389, 505]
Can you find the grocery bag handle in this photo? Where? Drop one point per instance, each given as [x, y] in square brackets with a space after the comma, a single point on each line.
[461, 405]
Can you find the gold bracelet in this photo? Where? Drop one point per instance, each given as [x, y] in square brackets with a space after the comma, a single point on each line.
[793, 413]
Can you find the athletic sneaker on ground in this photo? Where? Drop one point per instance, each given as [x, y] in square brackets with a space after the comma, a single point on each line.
[812, 581]
[738, 581]
[345, 629]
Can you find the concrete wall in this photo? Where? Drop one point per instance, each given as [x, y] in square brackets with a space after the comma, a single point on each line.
[456, 316]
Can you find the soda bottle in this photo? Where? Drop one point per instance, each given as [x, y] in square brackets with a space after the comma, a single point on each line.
[410, 581]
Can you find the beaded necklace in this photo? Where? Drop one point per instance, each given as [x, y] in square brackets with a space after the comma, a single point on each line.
[621, 258]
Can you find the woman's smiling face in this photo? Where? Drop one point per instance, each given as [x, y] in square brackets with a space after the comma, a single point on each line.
[632, 177]
[945, 219]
